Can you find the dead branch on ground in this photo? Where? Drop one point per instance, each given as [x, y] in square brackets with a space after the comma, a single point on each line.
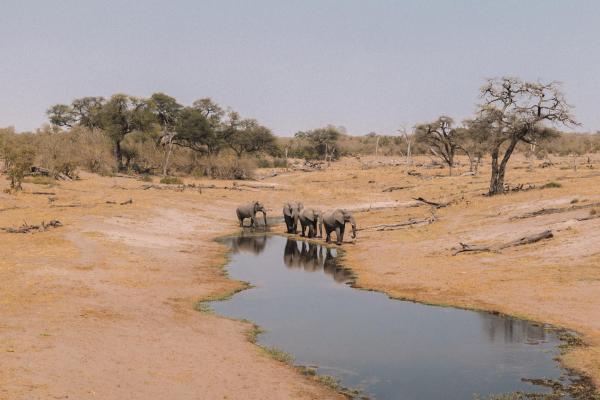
[556, 210]
[465, 247]
[393, 188]
[412, 222]
[26, 228]
[130, 201]
[431, 203]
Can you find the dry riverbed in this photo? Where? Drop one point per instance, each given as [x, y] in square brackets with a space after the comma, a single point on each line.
[103, 306]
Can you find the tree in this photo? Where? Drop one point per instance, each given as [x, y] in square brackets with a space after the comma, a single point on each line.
[516, 111]
[440, 136]
[248, 136]
[84, 111]
[167, 112]
[472, 142]
[195, 132]
[121, 115]
[323, 140]
[409, 140]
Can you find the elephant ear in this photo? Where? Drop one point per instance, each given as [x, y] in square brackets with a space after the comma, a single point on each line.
[340, 217]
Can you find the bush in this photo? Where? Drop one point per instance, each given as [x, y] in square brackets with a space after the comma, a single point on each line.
[280, 163]
[551, 185]
[18, 152]
[171, 180]
[226, 167]
[264, 163]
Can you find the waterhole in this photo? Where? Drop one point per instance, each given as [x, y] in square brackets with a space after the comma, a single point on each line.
[386, 348]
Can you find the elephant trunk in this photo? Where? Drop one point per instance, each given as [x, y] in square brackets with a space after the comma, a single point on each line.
[319, 223]
[353, 222]
[265, 217]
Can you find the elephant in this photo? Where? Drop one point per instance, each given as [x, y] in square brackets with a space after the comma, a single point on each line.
[249, 211]
[336, 221]
[291, 212]
[310, 218]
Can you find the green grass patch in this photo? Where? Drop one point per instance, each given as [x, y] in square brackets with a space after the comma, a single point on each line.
[146, 178]
[551, 185]
[171, 180]
[252, 333]
[279, 355]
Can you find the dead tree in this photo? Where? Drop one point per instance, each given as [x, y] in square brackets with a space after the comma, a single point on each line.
[440, 136]
[465, 247]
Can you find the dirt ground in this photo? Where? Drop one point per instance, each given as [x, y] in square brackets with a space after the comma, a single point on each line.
[103, 307]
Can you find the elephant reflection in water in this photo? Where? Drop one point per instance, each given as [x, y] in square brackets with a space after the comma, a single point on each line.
[511, 330]
[249, 243]
[331, 267]
[291, 254]
[312, 257]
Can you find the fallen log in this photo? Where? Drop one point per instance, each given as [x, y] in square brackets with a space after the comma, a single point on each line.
[254, 186]
[130, 201]
[394, 188]
[557, 210]
[431, 203]
[26, 228]
[465, 247]
[401, 225]
[45, 193]
[35, 170]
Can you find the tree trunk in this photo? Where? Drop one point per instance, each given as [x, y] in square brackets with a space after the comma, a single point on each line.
[168, 157]
[119, 155]
[498, 170]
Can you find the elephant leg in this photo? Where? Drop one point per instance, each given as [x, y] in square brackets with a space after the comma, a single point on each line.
[311, 232]
[341, 237]
[241, 222]
[337, 235]
[328, 236]
[252, 222]
[303, 229]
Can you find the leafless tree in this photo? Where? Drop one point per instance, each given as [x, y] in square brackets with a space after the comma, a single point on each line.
[409, 140]
[440, 136]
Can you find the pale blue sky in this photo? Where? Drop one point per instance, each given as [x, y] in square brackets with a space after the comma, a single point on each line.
[295, 65]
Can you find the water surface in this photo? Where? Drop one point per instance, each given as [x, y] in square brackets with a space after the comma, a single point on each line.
[389, 349]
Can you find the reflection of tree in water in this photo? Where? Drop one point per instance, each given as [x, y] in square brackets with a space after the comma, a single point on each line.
[511, 330]
[313, 257]
[248, 243]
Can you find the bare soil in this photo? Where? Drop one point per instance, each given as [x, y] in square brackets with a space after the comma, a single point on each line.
[103, 307]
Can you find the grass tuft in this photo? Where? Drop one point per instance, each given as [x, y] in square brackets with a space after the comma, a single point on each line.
[551, 185]
[171, 180]
[279, 355]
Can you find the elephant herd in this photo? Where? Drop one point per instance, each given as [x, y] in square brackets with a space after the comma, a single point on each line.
[310, 219]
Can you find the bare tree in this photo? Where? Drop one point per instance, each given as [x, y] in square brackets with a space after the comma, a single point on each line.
[440, 136]
[409, 140]
[515, 111]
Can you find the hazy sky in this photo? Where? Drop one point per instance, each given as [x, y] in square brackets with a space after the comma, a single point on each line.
[368, 65]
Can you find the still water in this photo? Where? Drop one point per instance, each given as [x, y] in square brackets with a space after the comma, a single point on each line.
[389, 349]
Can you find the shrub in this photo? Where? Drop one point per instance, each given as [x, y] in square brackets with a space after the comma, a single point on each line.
[171, 180]
[226, 167]
[264, 163]
[280, 163]
[551, 185]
